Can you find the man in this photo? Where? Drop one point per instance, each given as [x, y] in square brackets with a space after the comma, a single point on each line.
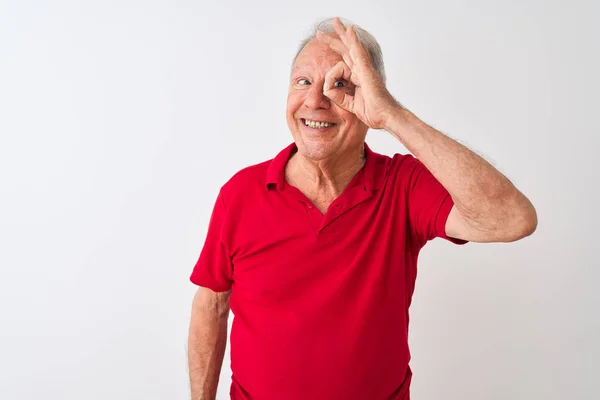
[315, 251]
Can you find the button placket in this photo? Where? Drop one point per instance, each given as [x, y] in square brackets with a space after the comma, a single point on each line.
[313, 215]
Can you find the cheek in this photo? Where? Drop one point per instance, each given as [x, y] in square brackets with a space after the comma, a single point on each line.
[350, 120]
[293, 105]
[290, 111]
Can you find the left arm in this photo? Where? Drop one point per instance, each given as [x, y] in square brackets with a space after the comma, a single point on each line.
[487, 206]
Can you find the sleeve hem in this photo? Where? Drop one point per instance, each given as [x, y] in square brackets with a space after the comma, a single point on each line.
[215, 287]
[442, 218]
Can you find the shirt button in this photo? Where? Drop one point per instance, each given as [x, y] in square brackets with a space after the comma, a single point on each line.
[310, 205]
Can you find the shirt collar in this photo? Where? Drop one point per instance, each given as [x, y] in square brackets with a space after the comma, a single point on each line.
[372, 176]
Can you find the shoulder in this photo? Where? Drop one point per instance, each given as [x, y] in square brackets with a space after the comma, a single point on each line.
[407, 167]
[245, 182]
[399, 166]
[253, 174]
[403, 172]
[395, 161]
[404, 162]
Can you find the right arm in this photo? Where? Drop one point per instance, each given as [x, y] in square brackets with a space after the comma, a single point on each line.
[207, 341]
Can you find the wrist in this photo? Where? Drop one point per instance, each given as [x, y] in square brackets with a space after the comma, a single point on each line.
[396, 116]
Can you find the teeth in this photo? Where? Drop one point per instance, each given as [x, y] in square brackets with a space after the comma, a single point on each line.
[317, 124]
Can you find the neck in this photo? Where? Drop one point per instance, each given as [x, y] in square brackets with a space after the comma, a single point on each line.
[330, 175]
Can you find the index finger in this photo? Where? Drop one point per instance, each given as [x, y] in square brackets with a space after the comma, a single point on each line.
[337, 46]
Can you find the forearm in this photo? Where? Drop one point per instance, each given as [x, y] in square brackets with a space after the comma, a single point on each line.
[206, 349]
[483, 195]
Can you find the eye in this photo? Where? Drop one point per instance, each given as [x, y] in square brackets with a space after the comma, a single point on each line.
[303, 82]
[339, 84]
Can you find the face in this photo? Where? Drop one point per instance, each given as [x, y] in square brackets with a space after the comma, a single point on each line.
[321, 129]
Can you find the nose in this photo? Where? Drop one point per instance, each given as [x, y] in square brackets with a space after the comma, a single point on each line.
[315, 99]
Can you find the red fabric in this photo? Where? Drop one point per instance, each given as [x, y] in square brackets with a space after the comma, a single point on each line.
[320, 303]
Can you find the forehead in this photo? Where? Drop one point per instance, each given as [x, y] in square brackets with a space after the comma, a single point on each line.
[316, 56]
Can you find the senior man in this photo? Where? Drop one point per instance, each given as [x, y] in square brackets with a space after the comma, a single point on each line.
[315, 251]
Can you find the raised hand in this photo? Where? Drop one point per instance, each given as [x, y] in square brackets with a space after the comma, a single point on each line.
[367, 96]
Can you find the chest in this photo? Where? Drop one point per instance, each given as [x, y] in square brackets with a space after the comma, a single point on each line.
[294, 250]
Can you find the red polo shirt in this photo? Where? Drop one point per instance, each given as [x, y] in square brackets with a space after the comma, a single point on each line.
[320, 302]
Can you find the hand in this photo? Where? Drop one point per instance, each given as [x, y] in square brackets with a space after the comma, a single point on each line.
[370, 101]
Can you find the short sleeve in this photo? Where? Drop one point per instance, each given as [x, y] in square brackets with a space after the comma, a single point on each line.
[214, 268]
[429, 205]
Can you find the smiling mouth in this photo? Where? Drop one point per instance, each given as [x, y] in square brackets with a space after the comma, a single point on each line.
[317, 124]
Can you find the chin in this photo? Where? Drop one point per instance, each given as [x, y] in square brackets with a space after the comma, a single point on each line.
[314, 149]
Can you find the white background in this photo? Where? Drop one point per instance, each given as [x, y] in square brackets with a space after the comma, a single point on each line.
[120, 120]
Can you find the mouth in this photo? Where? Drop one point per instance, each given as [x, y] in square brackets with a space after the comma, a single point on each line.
[317, 124]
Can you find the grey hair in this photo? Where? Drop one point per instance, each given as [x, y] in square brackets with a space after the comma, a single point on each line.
[365, 38]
